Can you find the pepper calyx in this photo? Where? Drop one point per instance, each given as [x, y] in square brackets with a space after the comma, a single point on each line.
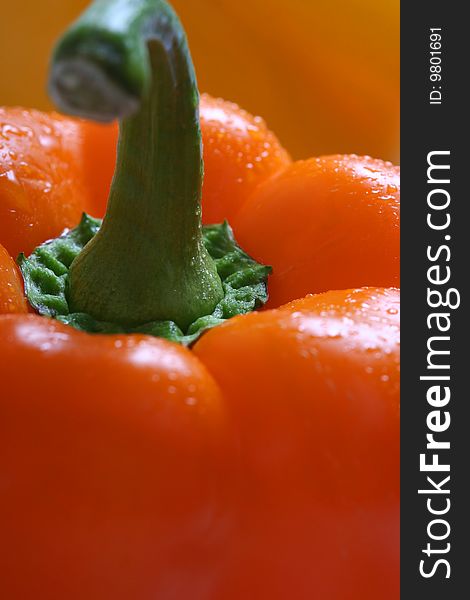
[46, 270]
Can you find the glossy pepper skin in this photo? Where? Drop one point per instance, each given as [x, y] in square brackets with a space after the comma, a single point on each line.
[40, 193]
[114, 452]
[263, 463]
[313, 389]
[325, 223]
[12, 298]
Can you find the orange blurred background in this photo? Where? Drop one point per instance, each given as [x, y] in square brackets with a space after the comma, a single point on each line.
[323, 73]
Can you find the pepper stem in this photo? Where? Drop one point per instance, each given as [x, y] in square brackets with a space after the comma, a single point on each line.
[129, 59]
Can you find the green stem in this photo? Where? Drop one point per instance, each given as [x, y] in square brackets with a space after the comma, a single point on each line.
[129, 59]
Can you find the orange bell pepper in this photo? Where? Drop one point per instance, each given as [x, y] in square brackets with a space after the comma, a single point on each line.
[125, 480]
[263, 461]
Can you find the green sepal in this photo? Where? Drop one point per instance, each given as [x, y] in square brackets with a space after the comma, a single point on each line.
[45, 274]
